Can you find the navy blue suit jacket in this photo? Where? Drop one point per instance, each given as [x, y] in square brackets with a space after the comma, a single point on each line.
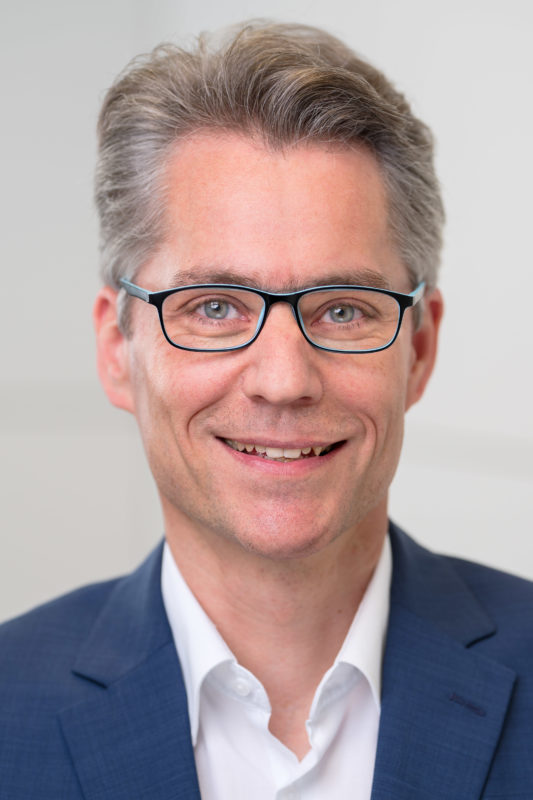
[93, 706]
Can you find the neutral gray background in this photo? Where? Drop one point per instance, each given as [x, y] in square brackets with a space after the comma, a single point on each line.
[77, 501]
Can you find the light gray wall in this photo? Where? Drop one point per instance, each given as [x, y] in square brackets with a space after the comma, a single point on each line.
[77, 502]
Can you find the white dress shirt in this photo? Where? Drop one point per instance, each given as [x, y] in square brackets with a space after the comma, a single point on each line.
[237, 758]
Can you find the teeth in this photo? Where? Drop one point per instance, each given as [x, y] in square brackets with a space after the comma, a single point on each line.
[283, 453]
[292, 453]
[274, 452]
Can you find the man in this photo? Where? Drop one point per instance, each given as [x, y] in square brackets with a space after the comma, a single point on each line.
[274, 198]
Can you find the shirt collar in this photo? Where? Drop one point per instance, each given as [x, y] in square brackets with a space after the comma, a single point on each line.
[201, 648]
[364, 645]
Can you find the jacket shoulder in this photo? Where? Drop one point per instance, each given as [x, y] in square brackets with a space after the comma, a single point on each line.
[37, 652]
[475, 603]
[492, 582]
[494, 585]
[507, 598]
[45, 638]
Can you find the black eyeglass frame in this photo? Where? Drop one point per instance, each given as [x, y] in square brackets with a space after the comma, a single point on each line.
[269, 298]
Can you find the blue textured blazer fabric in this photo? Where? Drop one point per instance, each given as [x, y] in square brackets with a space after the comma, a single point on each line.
[93, 705]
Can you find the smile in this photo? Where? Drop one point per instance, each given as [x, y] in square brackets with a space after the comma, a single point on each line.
[283, 454]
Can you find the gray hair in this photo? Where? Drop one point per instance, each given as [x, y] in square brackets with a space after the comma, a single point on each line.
[288, 84]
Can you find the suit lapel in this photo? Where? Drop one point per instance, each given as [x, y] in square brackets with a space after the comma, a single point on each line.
[443, 703]
[132, 739]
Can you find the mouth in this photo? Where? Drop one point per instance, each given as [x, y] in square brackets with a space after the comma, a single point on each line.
[281, 454]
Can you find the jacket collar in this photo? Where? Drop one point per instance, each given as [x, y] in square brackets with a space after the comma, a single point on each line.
[132, 738]
[443, 702]
[131, 626]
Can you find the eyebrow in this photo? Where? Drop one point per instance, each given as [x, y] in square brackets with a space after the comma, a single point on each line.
[355, 277]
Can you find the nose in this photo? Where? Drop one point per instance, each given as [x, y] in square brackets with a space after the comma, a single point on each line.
[282, 366]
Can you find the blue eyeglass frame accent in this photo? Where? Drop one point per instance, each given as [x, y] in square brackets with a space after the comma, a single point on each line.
[269, 298]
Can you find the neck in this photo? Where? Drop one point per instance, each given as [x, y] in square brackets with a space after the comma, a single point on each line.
[299, 607]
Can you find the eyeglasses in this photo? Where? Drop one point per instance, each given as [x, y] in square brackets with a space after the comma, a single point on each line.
[218, 317]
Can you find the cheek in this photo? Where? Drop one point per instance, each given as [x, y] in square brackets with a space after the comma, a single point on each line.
[388, 416]
[375, 390]
[376, 400]
[173, 388]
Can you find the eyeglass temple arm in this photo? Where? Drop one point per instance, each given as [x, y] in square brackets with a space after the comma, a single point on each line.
[134, 290]
[418, 293]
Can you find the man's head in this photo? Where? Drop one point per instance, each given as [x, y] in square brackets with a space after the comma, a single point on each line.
[283, 182]
[281, 85]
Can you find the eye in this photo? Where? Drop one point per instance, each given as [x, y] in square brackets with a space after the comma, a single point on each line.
[342, 313]
[217, 309]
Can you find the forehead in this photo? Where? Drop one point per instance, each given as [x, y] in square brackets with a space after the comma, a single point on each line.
[279, 219]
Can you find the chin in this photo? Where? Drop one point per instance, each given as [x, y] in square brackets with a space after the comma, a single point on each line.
[282, 542]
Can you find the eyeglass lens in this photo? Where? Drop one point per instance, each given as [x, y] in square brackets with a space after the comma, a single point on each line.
[341, 319]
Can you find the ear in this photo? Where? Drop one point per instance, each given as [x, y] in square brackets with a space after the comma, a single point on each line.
[424, 347]
[112, 350]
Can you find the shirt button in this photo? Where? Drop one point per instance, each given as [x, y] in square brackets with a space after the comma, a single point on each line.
[242, 687]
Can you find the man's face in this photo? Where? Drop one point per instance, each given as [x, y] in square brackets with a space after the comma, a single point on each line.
[238, 212]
